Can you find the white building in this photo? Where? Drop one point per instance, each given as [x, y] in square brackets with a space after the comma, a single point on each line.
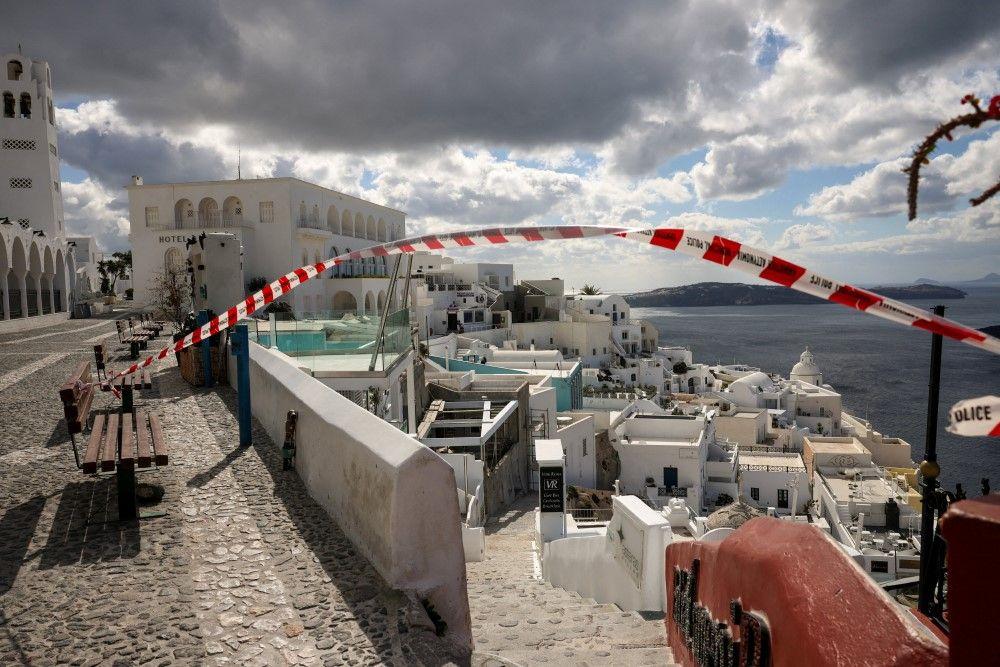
[282, 223]
[774, 480]
[29, 154]
[807, 405]
[37, 271]
[87, 255]
[454, 297]
[873, 514]
[665, 456]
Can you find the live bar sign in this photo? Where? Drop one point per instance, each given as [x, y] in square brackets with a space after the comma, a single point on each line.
[551, 489]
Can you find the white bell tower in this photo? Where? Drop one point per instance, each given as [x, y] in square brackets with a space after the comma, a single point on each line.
[30, 189]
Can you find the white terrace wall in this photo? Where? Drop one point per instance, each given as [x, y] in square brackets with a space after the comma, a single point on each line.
[393, 497]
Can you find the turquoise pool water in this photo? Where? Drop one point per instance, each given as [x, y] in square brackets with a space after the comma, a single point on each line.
[312, 341]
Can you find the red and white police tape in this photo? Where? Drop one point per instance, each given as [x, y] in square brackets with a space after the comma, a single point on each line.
[703, 245]
[976, 417]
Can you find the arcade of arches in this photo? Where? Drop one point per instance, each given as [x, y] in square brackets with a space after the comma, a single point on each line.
[36, 277]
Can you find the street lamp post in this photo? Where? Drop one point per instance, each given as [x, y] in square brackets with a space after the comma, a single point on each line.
[930, 470]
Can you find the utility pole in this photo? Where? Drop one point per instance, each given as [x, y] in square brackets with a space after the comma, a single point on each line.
[930, 470]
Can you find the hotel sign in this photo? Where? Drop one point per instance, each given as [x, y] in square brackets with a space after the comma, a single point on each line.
[712, 642]
[551, 489]
[174, 239]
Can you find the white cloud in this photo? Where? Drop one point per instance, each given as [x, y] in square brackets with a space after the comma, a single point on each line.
[802, 235]
[91, 210]
[881, 191]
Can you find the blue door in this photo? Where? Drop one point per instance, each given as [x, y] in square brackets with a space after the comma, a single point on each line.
[670, 478]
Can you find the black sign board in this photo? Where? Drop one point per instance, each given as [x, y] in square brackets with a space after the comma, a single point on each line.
[550, 489]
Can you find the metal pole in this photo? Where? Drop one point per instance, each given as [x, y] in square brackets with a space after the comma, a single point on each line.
[385, 315]
[206, 350]
[930, 470]
[240, 348]
[406, 285]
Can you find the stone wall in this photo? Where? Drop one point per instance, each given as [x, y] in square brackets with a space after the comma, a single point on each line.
[394, 498]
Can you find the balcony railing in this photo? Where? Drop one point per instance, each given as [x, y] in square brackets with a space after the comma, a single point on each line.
[591, 515]
[313, 223]
[367, 271]
[207, 221]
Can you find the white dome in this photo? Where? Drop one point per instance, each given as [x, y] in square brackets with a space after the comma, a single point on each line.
[806, 368]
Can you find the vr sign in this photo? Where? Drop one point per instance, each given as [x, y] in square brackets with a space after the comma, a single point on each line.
[550, 481]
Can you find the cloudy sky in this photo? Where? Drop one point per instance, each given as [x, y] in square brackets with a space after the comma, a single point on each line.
[782, 124]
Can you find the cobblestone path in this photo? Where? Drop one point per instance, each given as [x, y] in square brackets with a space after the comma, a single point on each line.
[244, 568]
[519, 619]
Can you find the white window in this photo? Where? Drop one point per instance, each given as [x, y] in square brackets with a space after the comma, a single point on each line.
[267, 211]
[152, 216]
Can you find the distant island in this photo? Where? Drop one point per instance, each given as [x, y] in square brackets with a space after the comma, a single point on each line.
[739, 294]
[989, 280]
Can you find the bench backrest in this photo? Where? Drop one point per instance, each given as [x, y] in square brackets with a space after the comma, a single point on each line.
[77, 397]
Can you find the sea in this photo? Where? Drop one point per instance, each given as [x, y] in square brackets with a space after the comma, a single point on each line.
[880, 368]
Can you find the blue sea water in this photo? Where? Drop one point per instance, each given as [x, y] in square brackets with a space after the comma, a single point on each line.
[879, 367]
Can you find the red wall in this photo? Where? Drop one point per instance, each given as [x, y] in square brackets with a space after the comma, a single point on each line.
[972, 530]
[820, 607]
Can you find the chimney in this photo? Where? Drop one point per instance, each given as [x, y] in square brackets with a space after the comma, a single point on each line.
[136, 180]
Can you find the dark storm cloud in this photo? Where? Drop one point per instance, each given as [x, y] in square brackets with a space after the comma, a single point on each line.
[380, 73]
[879, 41]
[113, 158]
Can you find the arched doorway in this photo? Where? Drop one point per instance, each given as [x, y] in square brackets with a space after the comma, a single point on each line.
[4, 288]
[381, 230]
[347, 224]
[232, 212]
[359, 226]
[344, 302]
[208, 213]
[33, 281]
[61, 287]
[183, 214]
[381, 301]
[371, 230]
[369, 303]
[333, 219]
[45, 282]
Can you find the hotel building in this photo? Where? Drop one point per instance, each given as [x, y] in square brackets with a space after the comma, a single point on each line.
[282, 223]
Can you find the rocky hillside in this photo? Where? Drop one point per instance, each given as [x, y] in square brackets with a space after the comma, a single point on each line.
[739, 294]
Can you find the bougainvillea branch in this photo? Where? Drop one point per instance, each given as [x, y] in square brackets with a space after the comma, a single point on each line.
[921, 155]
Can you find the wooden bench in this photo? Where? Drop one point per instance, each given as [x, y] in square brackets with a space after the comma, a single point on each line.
[142, 327]
[121, 440]
[77, 395]
[101, 361]
[135, 341]
[149, 324]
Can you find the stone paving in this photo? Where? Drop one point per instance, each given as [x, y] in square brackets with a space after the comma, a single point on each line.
[244, 568]
[520, 619]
